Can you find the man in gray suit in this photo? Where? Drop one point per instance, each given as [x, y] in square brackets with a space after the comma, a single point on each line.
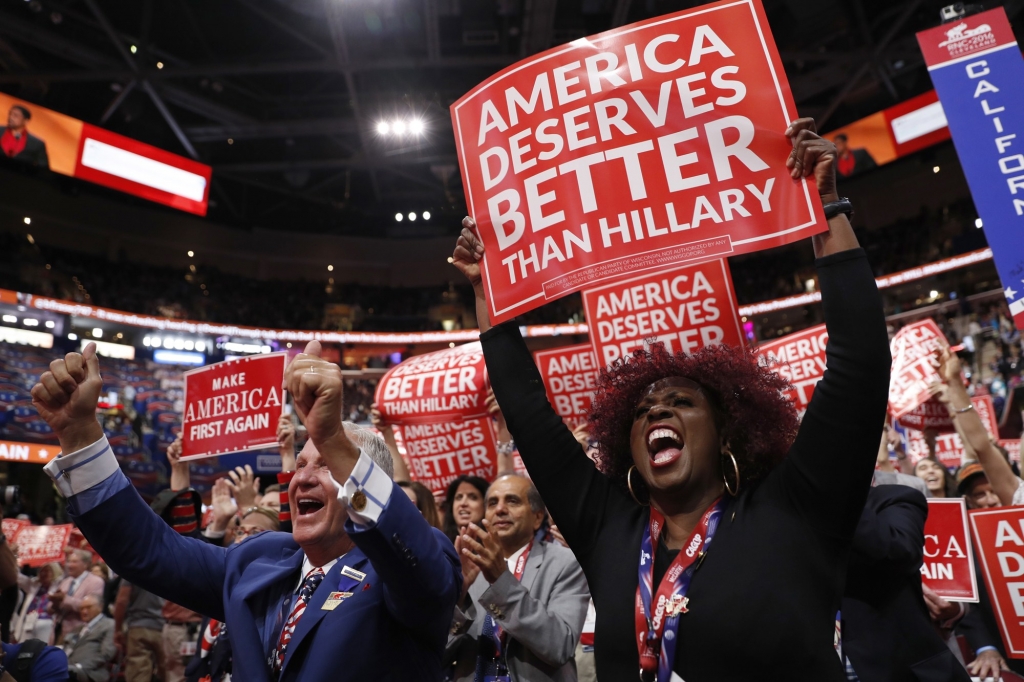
[91, 649]
[524, 599]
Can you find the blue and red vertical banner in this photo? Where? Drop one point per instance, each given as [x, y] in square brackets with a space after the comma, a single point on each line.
[978, 72]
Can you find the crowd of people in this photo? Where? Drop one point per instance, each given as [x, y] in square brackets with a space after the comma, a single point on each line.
[693, 529]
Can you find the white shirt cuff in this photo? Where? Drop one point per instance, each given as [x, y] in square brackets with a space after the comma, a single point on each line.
[366, 492]
[79, 471]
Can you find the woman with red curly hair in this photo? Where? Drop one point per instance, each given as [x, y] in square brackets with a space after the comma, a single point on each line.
[715, 535]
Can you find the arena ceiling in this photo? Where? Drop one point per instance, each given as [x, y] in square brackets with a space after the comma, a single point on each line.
[282, 97]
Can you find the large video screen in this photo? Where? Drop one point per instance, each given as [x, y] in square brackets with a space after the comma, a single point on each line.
[43, 138]
[889, 134]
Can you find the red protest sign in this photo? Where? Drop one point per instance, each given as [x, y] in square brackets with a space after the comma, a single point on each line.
[914, 365]
[232, 406]
[686, 308]
[446, 384]
[570, 377]
[948, 566]
[800, 358]
[12, 526]
[1013, 447]
[999, 543]
[642, 147]
[949, 447]
[38, 545]
[440, 452]
[933, 414]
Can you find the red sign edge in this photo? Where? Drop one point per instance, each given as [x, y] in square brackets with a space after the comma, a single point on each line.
[997, 607]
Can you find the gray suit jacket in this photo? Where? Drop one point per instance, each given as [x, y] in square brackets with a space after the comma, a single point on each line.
[543, 616]
[90, 656]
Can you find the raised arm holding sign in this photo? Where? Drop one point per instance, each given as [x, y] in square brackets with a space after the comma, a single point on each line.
[683, 439]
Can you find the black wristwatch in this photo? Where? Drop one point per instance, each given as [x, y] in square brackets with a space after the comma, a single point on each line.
[834, 208]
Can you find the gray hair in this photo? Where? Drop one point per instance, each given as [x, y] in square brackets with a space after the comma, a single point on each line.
[84, 555]
[373, 445]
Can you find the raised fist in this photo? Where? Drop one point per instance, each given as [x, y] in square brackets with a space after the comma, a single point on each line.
[66, 397]
[317, 390]
[812, 155]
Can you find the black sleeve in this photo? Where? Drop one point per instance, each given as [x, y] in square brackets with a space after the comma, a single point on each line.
[976, 631]
[578, 496]
[891, 529]
[828, 471]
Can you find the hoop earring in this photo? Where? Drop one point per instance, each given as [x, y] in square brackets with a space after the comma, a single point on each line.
[733, 491]
[629, 484]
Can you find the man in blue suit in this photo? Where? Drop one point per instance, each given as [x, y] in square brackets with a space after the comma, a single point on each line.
[364, 588]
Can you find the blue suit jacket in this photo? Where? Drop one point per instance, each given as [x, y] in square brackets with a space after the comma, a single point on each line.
[394, 627]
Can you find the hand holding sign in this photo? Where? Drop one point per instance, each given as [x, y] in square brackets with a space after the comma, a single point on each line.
[66, 398]
[318, 390]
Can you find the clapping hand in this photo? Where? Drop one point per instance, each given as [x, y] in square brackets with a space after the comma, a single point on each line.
[244, 486]
[481, 548]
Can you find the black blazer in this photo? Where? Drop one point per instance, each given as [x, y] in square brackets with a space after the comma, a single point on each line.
[763, 603]
[34, 152]
[887, 632]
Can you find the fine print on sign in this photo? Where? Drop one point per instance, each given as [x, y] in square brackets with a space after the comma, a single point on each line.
[232, 406]
[915, 365]
[999, 542]
[570, 377]
[948, 566]
[440, 452]
[643, 147]
[800, 359]
[686, 308]
[445, 384]
[976, 66]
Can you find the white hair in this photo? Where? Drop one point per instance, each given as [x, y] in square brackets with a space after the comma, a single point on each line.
[373, 445]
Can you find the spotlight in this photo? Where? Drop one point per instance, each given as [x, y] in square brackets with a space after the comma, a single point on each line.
[426, 215]
[189, 345]
[416, 126]
[398, 217]
[200, 346]
[935, 169]
[168, 343]
[97, 332]
[159, 65]
[191, 254]
[133, 49]
[156, 342]
[145, 342]
[399, 127]
[977, 222]
[28, 221]
[933, 293]
[412, 217]
[30, 322]
[50, 324]
[330, 268]
[383, 128]
[72, 337]
[11, 319]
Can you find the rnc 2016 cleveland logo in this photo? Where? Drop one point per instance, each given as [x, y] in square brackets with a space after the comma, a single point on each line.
[961, 39]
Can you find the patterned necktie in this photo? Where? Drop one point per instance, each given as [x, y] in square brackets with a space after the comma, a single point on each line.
[309, 586]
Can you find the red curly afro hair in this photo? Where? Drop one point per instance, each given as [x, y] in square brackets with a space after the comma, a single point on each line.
[748, 398]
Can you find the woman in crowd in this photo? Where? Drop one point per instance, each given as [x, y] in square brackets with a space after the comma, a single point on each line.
[937, 479]
[702, 453]
[464, 504]
[423, 499]
[31, 620]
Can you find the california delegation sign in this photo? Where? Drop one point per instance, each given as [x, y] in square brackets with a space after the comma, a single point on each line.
[651, 145]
